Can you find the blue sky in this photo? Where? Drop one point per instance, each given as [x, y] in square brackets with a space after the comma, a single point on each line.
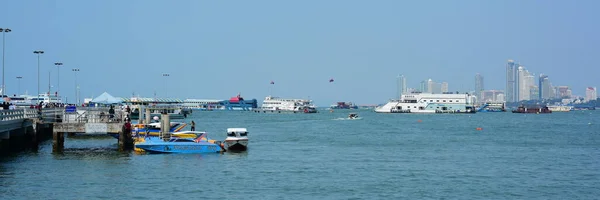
[215, 49]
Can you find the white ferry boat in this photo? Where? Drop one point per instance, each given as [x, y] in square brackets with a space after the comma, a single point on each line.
[45, 98]
[559, 108]
[430, 103]
[276, 104]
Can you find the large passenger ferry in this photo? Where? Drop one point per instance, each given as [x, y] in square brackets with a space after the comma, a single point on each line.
[276, 104]
[429, 103]
[234, 103]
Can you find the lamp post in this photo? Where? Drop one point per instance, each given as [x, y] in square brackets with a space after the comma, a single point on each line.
[76, 86]
[19, 84]
[38, 52]
[4, 31]
[58, 65]
[165, 84]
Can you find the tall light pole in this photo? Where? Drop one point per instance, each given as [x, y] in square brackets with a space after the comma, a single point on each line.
[166, 88]
[4, 31]
[19, 84]
[58, 65]
[38, 52]
[76, 86]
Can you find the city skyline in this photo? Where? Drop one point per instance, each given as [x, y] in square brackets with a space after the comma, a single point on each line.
[124, 47]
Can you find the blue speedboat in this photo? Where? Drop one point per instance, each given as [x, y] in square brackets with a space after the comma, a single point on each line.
[180, 142]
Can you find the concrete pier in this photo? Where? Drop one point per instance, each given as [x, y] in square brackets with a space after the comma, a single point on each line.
[24, 128]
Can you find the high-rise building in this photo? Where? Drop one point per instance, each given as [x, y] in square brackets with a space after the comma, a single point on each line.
[534, 92]
[563, 92]
[401, 85]
[444, 87]
[542, 90]
[491, 96]
[591, 94]
[511, 86]
[546, 91]
[479, 86]
[524, 82]
[423, 87]
[500, 98]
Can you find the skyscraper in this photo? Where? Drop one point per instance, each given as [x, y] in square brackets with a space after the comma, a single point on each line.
[401, 85]
[444, 87]
[479, 86]
[591, 94]
[542, 90]
[511, 88]
[423, 87]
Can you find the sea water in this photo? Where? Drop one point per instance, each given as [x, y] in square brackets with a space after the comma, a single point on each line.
[318, 156]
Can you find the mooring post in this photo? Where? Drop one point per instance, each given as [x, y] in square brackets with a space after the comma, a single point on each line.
[165, 126]
[58, 142]
[125, 138]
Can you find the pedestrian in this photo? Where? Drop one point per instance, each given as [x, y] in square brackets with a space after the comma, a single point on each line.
[193, 125]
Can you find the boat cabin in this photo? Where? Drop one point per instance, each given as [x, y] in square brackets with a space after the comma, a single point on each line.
[237, 132]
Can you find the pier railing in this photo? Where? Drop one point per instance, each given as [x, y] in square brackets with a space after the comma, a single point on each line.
[93, 115]
[17, 114]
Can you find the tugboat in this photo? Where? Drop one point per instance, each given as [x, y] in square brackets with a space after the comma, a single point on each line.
[537, 109]
[237, 139]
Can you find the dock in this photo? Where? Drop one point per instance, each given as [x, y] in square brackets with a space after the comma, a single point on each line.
[25, 128]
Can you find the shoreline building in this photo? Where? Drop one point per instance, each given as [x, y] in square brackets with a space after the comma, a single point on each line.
[591, 94]
[401, 81]
[524, 84]
[546, 90]
[511, 92]
[479, 86]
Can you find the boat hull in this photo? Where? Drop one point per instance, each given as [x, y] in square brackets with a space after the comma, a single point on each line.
[201, 147]
[236, 145]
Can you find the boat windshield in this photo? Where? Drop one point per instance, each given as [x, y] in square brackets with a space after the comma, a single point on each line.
[244, 134]
[231, 134]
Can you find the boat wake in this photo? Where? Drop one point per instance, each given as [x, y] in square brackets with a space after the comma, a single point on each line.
[358, 118]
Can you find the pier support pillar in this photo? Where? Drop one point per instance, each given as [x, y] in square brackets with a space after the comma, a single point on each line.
[58, 142]
[125, 139]
[147, 119]
[35, 141]
[165, 127]
[141, 115]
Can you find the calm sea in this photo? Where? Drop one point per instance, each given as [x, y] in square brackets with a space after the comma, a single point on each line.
[322, 156]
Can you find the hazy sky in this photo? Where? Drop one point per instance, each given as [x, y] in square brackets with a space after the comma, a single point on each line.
[215, 49]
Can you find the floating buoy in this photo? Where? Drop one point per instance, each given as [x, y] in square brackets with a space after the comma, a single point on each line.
[479, 128]
[419, 121]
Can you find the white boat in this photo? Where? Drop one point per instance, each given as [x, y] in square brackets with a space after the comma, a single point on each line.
[276, 104]
[352, 116]
[45, 98]
[559, 108]
[430, 103]
[237, 139]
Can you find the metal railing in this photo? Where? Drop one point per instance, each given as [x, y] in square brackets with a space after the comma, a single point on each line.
[93, 115]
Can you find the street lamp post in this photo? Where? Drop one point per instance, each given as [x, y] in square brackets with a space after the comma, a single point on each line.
[165, 84]
[76, 86]
[38, 52]
[4, 31]
[19, 84]
[58, 65]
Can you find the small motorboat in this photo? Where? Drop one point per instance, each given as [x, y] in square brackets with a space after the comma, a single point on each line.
[352, 116]
[180, 142]
[237, 139]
